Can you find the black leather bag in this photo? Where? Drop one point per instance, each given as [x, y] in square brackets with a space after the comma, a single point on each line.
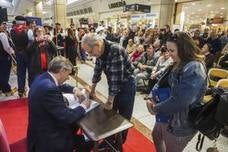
[203, 117]
[221, 114]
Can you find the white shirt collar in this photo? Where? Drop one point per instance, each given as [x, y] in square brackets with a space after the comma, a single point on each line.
[55, 80]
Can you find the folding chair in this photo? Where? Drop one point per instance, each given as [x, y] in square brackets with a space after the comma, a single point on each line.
[222, 83]
[215, 75]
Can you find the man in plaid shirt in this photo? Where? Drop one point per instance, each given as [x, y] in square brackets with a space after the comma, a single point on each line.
[114, 61]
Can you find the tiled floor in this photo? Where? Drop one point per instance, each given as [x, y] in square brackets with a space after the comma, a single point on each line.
[140, 112]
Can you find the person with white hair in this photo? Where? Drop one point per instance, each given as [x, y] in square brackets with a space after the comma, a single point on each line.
[115, 62]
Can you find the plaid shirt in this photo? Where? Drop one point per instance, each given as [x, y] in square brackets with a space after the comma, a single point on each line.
[116, 65]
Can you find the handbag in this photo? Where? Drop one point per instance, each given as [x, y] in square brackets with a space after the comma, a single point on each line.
[161, 92]
[221, 114]
[202, 117]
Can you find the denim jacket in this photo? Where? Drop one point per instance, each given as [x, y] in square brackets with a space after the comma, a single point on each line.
[188, 87]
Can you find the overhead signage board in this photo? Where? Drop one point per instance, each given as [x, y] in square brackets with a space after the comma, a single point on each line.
[117, 4]
[137, 7]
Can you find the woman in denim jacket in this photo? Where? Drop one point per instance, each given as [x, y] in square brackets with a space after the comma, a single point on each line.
[188, 84]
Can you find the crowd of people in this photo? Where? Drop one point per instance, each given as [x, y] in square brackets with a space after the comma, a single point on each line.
[128, 56]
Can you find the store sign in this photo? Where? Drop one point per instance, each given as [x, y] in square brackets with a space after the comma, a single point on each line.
[117, 4]
[215, 20]
[137, 7]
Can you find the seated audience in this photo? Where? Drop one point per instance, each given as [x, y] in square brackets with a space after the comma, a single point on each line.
[198, 40]
[223, 59]
[209, 57]
[157, 47]
[163, 62]
[130, 47]
[137, 53]
[145, 64]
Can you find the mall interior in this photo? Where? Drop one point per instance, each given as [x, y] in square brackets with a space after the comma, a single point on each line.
[113, 75]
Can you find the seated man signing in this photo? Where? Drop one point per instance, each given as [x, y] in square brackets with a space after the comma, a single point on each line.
[51, 123]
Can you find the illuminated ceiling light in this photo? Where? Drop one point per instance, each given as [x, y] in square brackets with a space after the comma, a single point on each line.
[222, 8]
[193, 4]
[208, 5]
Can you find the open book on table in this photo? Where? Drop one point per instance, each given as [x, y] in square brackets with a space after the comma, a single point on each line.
[74, 102]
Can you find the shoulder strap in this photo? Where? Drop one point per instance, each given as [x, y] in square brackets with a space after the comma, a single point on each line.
[199, 144]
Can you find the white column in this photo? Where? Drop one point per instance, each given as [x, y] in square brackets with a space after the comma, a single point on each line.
[39, 9]
[59, 7]
[166, 12]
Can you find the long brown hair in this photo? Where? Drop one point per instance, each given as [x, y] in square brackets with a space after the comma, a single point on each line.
[186, 47]
[70, 33]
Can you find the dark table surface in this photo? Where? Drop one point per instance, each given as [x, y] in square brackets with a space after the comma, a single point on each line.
[100, 123]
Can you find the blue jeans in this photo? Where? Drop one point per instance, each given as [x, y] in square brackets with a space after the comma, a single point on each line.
[5, 66]
[22, 65]
[124, 101]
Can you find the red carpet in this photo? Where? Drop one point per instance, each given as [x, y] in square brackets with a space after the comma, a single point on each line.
[14, 116]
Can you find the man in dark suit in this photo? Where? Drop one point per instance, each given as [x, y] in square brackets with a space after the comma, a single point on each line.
[51, 123]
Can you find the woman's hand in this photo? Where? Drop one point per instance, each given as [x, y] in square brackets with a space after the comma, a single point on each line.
[150, 104]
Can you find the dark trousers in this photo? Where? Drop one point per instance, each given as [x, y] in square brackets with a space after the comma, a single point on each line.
[151, 84]
[5, 67]
[71, 53]
[124, 101]
[82, 53]
[22, 65]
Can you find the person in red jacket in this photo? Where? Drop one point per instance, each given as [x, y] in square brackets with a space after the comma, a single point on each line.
[138, 52]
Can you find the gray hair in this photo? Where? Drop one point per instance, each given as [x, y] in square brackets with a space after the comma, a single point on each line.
[90, 39]
[59, 63]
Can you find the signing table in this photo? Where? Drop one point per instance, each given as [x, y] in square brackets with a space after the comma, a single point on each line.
[98, 124]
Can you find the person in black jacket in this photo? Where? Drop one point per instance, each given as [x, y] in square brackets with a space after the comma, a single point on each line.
[20, 40]
[6, 51]
[71, 46]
